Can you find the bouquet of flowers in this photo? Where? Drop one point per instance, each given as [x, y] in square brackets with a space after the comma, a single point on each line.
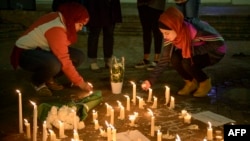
[117, 70]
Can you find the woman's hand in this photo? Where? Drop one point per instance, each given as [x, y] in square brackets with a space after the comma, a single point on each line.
[86, 86]
[145, 85]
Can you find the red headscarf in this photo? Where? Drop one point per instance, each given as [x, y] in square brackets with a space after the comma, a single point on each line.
[73, 12]
[174, 20]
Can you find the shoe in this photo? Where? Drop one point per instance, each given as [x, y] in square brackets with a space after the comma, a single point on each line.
[53, 85]
[152, 66]
[189, 87]
[204, 88]
[43, 90]
[143, 64]
[94, 67]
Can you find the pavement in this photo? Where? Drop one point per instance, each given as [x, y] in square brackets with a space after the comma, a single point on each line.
[229, 97]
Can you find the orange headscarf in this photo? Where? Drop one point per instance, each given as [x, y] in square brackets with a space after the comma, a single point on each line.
[174, 19]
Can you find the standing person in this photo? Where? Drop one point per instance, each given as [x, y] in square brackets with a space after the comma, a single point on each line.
[104, 14]
[189, 48]
[149, 13]
[44, 49]
[189, 8]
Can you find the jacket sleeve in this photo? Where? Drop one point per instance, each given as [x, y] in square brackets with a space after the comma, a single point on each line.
[162, 64]
[58, 42]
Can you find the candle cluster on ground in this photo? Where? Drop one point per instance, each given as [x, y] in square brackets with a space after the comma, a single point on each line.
[111, 131]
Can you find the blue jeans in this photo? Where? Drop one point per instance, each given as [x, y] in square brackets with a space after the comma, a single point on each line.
[190, 9]
[44, 64]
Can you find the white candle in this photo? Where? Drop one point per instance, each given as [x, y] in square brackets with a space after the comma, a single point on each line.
[149, 95]
[134, 92]
[152, 129]
[96, 124]
[108, 109]
[187, 118]
[52, 135]
[27, 125]
[45, 133]
[154, 106]
[209, 132]
[95, 115]
[109, 134]
[183, 113]
[159, 135]
[128, 103]
[177, 138]
[112, 116]
[20, 111]
[122, 113]
[34, 121]
[172, 103]
[74, 120]
[132, 119]
[61, 130]
[75, 135]
[167, 94]
[140, 102]
[113, 134]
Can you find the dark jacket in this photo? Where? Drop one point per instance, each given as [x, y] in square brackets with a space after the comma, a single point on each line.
[104, 12]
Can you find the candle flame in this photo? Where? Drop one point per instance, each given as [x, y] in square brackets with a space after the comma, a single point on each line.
[138, 97]
[177, 138]
[205, 140]
[44, 122]
[51, 131]
[209, 125]
[90, 84]
[75, 131]
[133, 83]
[25, 120]
[150, 112]
[131, 117]
[107, 124]
[126, 96]
[18, 91]
[33, 103]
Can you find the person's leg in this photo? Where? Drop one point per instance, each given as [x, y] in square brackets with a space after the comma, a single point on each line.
[178, 63]
[144, 13]
[76, 56]
[93, 38]
[108, 44]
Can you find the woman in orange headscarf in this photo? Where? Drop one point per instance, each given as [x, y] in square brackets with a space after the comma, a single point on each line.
[189, 47]
[44, 49]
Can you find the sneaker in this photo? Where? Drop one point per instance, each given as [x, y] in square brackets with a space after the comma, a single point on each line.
[152, 66]
[94, 67]
[53, 85]
[43, 90]
[143, 64]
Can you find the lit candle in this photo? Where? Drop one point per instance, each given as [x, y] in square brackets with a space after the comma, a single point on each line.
[45, 133]
[52, 135]
[75, 135]
[154, 106]
[61, 130]
[167, 94]
[113, 132]
[27, 125]
[128, 103]
[94, 115]
[209, 132]
[34, 120]
[140, 102]
[159, 135]
[132, 119]
[119, 103]
[152, 122]
[20, 111]
[109, 134]
[96, 124]
[112, 116]
[177, 138]
[172, 103]
[183, 113]
[108, 109]
[149, 95]
[134, 92]
[122, 113]
[187, 118]
[74, 120]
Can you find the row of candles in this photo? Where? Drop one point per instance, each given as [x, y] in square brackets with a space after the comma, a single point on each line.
[110, 111]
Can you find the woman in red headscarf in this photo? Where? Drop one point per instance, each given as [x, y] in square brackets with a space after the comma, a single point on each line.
[44, 49]
[189, 47]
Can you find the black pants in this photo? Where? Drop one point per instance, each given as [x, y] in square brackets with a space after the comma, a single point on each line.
[108, 41]
[149, 21]
[190, 69]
